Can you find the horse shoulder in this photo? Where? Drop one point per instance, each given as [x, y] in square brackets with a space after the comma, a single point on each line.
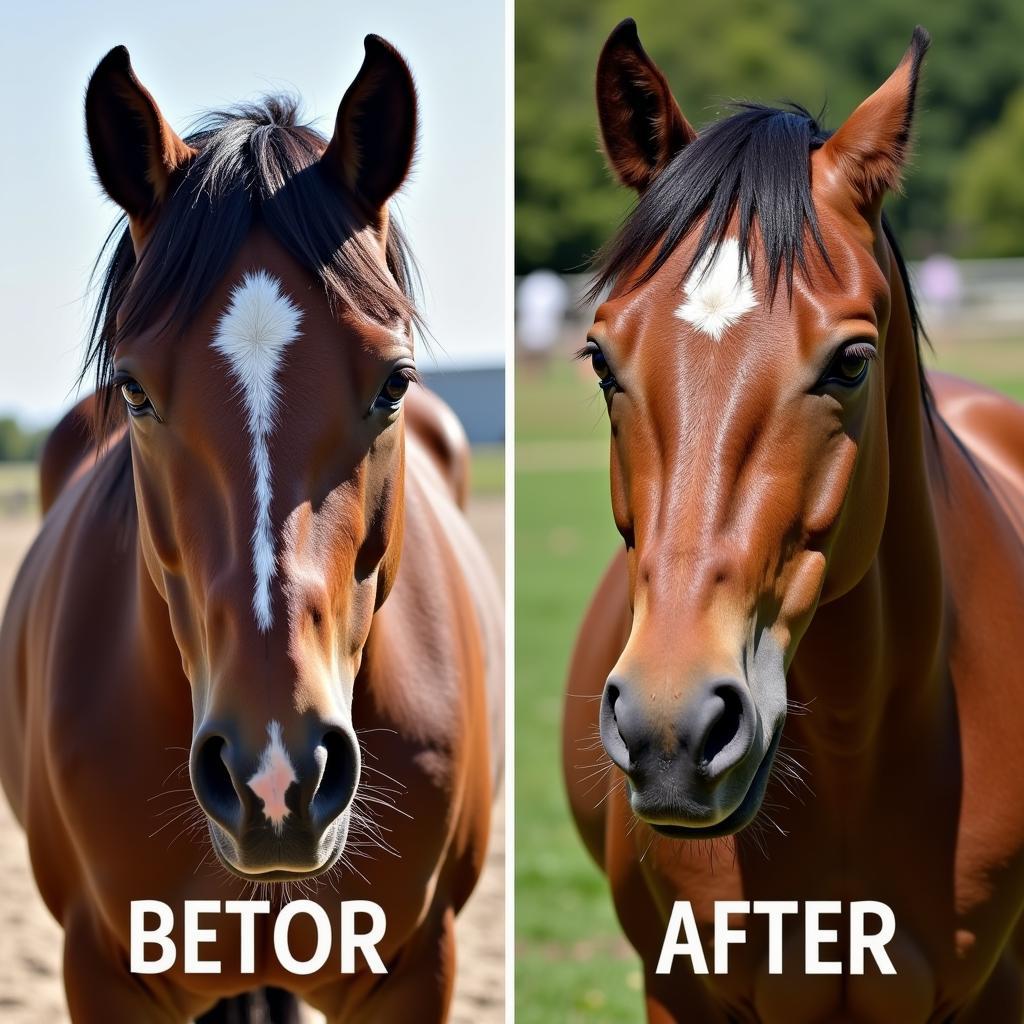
[45, 673]
[446, 570]
[978, 489]
[991, 426]
[432, 421]
[27, 648]
[429, 643]
[431, 665]
[979, 500]
[69, 448]
[67, 586]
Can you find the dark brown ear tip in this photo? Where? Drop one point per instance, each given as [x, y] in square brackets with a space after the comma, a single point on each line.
[117, 59]
[116, 62]
[921, 40]
[625, 33]
[377, 48]
[374, 45]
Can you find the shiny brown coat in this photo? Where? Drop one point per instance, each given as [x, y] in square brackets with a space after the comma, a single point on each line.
[883, 560]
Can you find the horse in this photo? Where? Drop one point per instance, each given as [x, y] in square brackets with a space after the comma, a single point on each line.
[804, 662]
[258, 563]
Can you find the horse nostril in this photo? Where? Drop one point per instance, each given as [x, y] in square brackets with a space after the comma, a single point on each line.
[338, 779]
[729, 729]
[725, 727]
[611, 696]
[615, 733]
[212, 782]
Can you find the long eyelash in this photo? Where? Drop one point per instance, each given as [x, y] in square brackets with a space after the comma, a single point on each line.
[411, 374]
[584, 353]
[862, 350]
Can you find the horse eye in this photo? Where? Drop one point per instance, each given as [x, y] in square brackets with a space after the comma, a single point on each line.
[391, 395]
[850, 365]
[134, 395]
[600, 365]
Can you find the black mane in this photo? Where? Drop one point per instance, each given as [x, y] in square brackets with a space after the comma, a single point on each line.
[255, 164]
[754, 164]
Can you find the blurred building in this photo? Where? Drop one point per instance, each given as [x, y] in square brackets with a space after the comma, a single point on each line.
[477, 394]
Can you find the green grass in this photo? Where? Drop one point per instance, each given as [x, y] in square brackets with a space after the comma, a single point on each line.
[558, 404]
[997, 364]
[487, 470]
[572, 965]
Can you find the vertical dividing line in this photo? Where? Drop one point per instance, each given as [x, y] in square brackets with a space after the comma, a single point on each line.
[510, 520]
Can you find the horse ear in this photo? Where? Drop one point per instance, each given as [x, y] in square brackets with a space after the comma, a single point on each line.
[374, 138]
[871, 147]
[642, 126]
[134, 150]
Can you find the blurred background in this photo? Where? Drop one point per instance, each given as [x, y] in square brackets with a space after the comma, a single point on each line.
[963, 193]
[195, 55]
[960, 222]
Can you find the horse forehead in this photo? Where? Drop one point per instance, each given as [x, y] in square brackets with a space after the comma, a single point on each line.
[721, 314]
[328, 321]
[718, 291]
[711, 317]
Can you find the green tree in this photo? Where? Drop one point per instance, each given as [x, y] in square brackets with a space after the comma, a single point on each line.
[809, 51]
[17, 444]
[973, 67]
[566, 202]
[988, 202]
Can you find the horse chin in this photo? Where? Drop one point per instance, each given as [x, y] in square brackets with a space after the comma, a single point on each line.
[673, 825]
[280, 858]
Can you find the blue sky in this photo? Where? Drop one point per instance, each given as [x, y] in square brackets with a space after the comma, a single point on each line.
[196, 55]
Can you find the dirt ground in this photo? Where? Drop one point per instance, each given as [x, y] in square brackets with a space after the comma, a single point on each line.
[30, 940]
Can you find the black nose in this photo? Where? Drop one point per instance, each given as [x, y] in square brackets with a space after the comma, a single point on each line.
[702, 739]
[278, 787]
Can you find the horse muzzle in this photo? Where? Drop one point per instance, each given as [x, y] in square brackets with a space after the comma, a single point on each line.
[278, 812]
[697, 768]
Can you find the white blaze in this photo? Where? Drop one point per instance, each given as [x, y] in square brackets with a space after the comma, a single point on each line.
[718, 291]
[273, 777]
[259, 323]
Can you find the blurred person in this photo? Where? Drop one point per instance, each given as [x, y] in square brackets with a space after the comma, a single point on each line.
[940, 284]
[542, 300]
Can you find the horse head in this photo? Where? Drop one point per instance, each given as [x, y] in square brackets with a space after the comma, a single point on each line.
[255, 337]
[747, 349]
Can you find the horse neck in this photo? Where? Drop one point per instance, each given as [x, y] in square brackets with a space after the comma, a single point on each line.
[869, 664]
